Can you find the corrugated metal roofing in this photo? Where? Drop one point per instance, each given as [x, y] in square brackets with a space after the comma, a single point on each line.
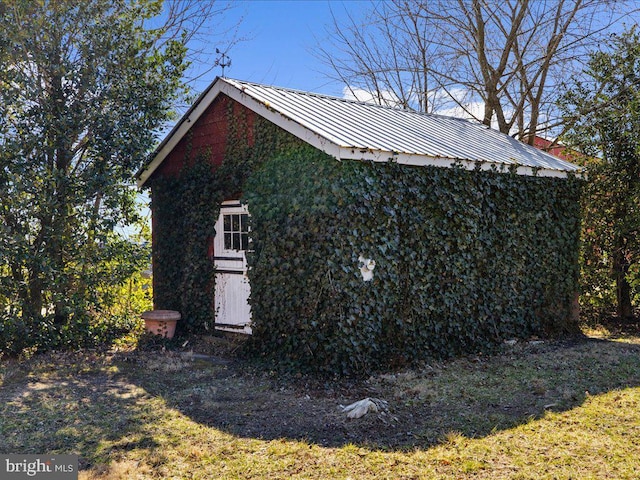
[363, 126]
[348, 129]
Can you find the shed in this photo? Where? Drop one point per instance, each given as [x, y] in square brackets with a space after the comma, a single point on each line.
[398, 161]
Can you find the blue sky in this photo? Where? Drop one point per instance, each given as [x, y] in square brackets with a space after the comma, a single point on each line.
[280, 39]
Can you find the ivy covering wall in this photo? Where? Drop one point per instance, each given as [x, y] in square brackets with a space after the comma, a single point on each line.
[464, 259]
[185, 209]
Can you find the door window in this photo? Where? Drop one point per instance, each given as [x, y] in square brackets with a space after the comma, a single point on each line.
[236, 231]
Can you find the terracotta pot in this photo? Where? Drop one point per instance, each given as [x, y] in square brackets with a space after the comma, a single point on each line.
[161, 322]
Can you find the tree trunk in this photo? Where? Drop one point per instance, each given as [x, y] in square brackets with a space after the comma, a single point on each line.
[35, 296]
[624, 308]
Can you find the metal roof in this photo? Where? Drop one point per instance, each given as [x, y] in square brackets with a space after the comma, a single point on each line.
[349, 129]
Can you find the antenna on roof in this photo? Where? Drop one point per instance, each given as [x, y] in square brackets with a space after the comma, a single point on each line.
[223, 61]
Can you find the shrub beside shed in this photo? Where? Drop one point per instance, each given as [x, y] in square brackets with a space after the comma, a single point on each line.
[347, 236]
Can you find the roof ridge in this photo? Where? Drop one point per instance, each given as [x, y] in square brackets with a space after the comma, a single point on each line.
[357, 102]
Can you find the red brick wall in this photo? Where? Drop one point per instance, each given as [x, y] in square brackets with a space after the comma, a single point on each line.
[208, 135]
[557, 150]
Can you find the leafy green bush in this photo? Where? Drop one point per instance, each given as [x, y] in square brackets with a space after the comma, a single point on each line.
[118, 296]
[91, 330]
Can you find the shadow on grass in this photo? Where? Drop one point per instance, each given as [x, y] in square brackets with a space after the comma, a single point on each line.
[103, 406]
[471, 396]
[73, 404]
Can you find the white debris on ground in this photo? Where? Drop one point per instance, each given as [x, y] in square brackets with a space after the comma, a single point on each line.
[362, 407]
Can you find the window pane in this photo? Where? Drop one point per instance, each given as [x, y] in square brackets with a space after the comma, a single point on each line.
[235, 229]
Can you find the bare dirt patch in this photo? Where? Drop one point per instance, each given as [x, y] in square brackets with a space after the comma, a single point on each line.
[471, 396]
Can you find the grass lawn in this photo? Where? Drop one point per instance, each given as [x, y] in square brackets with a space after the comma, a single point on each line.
[536, 410]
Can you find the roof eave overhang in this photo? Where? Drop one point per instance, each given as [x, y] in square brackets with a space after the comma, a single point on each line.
[353, 153]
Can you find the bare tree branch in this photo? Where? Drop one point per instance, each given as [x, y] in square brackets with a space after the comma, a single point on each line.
[498, 61]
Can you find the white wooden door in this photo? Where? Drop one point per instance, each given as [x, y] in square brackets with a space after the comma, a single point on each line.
[230, 244]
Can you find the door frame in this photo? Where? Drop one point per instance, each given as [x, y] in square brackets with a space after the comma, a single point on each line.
[232, 310]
